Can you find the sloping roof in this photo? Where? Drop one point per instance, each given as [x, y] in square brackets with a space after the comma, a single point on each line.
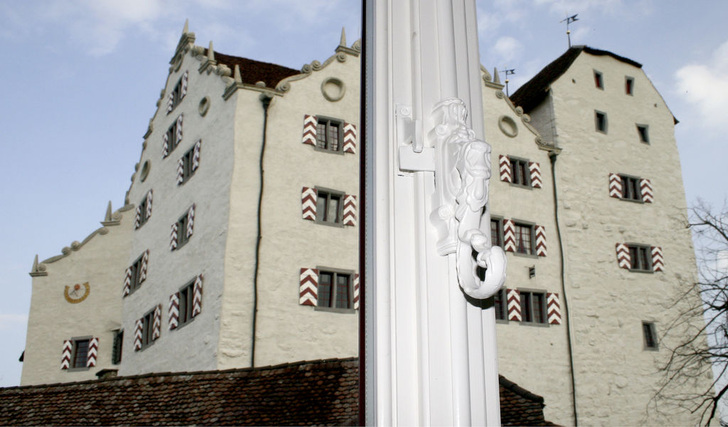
[252, 71]
[534, 91]
[323, 392]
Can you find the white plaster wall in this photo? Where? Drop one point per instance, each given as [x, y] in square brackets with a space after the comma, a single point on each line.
[193, 346]
[286, 330]
[52, 319]
[533, 356]
[615, 377]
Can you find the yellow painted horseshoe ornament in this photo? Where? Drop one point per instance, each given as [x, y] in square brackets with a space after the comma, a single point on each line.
[77, 294]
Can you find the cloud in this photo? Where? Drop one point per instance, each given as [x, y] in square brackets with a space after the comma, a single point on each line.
[507, 49]
[10, 322]
[705, 86]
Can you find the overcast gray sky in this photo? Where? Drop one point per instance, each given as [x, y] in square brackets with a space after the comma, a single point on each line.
[80, 78]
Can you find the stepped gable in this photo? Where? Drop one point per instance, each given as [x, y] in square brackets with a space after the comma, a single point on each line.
[534, 91]
[322, 392]
[252, 71]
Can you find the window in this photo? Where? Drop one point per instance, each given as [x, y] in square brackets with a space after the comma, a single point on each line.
[117, 347]
[524, 238]
[329, 206]
[650, 336]
[628, 85]
[143, 211]
[186, 298]
[80, 353]
[188, 164]
[631, 188]
[533, 306]
[521, 175]
[136, 270]
[329, 133]
[640, 258]
[334, 289]
[598, 80]
[147, 329]
[644, 135]
[496, 232]
[600, 121]
[172, 137]
[179, 92]
[182, 235]
[499, 303]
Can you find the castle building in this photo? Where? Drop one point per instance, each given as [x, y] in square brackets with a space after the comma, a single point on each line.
[238, 243]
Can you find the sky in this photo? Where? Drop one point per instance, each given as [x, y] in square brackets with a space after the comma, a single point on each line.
[80, 80]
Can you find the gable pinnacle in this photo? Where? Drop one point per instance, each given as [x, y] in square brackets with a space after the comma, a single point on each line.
[108, 218]
[496, 76]
[37, 269]
[342, 42]
[236, 75]
[210, 52]
[186, 29]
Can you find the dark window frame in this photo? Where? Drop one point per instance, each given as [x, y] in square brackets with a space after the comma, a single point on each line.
[334, 297]
[500, 305]
[117, 348]
[496, 240]
[601, 123]
[186, 303]
[649, 336]
[631, 190]
[324, 197]
[172, 141]
[640, 258]
[79, 353]
[598, 79]
[324, 139]
[135, 282]
[148, 329]
[143, 211]
[644, 133]
[520, 172]
[187, 171]
[176, 94]
[182, 237]
[533, 307]
[530, 249]
[629, 85]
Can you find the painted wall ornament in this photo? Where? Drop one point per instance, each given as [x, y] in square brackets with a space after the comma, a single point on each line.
[77, 293]
[462, 174]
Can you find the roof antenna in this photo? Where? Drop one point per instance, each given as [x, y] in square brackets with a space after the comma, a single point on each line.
[508, 72]
[569, 20]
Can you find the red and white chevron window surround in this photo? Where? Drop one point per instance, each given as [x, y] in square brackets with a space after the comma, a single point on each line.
[349, 138]
[149, 204]
[196, 155]
[615, 186]
[356, 292]
[309, 129]
[144, 266]
[173, 311]
[646, 190]
[504, 164]
[540, 240]
[308, 287]
[535, 170]
[509, 235]
[157, 322]
[553, 308]
[197, 296]
[170, 102]
[127, 282]
[308, 203]
[173, 238]
[138, 331]
[93, 352]
[178, 136]
[183, 84]
[66, 354]
[624, 260]
[190, 221]
[513, 298]
[165, 145]
[349, 210]
[658, 263]
[180, 170]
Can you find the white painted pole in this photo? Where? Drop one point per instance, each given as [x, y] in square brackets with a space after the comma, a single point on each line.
[430, 352]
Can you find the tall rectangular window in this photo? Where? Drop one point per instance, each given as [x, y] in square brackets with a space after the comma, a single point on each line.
[334, 289]
[533, 306]
[598, 80]
[642, 130]
[80, 353]
[521, 173]
[329, 134]
[650, 336]
[116, 350]
[496, 232]
[600, 119]
[329, 206]
[629, 85]
[500, 304]
[147, 329]
[136, 270]
[524, 238]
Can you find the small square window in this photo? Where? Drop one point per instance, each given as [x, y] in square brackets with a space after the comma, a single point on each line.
[600, 121]
[116, 350]
[499, 304]
[521, 174]
[631, 188]
[640, 258]
[80, 353]
[524, 239]
[650, 336]
[334, 289]
[629, 85]
[186, 298]
[496, 232]
[329, 206]
[329, 134]
[598, 80]
[533, 306]
[642, 130]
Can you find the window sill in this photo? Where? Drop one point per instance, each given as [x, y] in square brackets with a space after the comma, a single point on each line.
[634, 270]
[524, 186]
[330, 224]
[325, 150]
[640, 202]
[521, 254]
[78, 369]
[536, 324]
[335, 310]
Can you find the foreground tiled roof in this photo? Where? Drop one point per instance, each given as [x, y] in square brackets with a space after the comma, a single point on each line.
[322, 392]
[534, 91]
[252, 72]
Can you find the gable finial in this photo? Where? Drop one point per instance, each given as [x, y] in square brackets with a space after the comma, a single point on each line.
[210, 52]
[496, 76]
[38, 269]
[236, 75]
[342, 42]
[108, 218]
[186, 29]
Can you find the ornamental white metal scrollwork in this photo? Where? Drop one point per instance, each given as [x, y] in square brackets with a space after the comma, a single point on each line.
[462, 173]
